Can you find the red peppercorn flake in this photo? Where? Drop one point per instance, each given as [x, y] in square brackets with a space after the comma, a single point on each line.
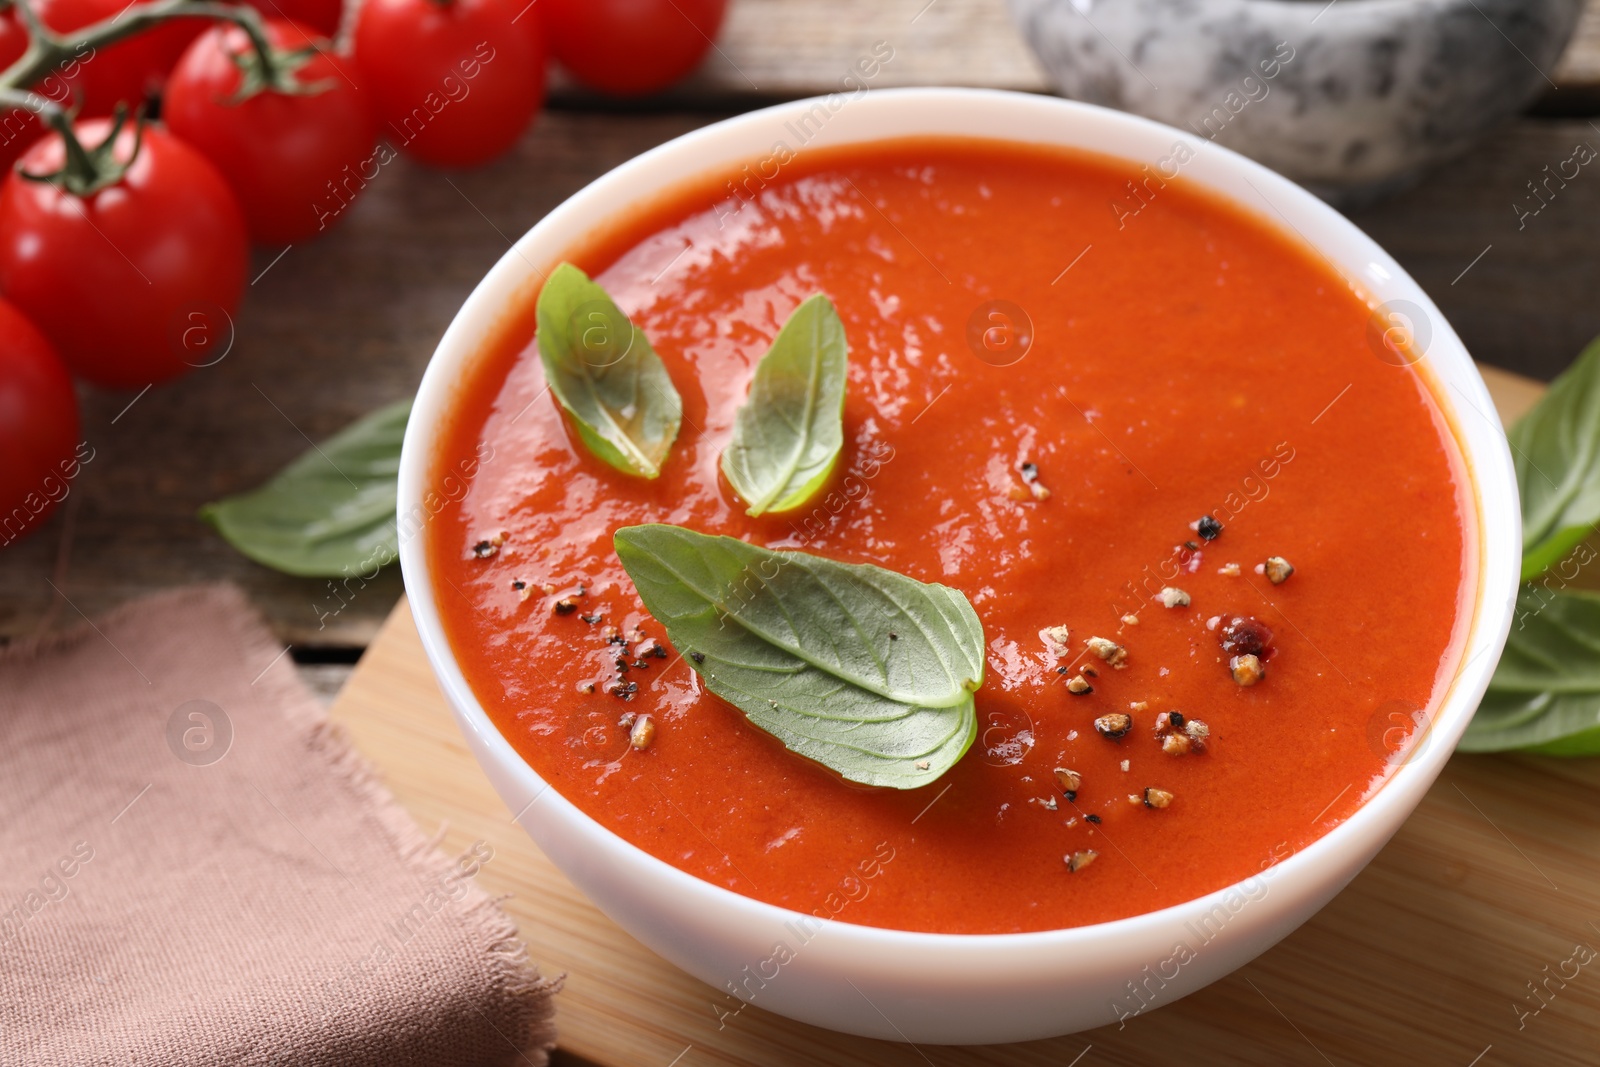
[1245, 635]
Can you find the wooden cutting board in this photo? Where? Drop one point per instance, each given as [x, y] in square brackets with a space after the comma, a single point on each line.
[1427, 957]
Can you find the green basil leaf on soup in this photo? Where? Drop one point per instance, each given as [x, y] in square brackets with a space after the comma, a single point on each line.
[1545, 693]
[787, 436]
[868, 672]
[331, 512]
[603, 371]
[1556, 448]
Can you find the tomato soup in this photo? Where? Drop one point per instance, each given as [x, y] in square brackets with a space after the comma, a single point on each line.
[1080, 415]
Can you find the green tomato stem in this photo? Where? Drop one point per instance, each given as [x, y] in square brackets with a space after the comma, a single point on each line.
[88, 170]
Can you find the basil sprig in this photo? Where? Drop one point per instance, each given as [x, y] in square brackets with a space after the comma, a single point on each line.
[1545, 696]
[603, 371]
[788, 435]
[1556, 448]
[1545, 693]
[866, 671]
[331, 512]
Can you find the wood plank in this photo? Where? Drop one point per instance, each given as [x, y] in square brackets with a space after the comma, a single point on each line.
[785, 49]
[1577, 76]
[1425, 958]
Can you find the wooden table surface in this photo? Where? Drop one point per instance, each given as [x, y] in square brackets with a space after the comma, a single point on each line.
[335, 328]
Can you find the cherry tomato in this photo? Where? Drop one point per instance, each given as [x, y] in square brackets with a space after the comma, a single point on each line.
[18, 128]
[323, 16]
[130, 71]
[296, 160]
[115, 278]
[38, 426]
[630, 47]
[457, 81]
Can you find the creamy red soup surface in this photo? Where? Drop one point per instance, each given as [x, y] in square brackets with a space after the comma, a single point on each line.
[1185, 361]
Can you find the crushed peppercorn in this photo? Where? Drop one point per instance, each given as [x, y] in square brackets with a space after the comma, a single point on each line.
[1176, 744]
[1114, 726]
[1156, 798]
[565, 606]
[1109, 651]
[485, 549]
[1091, 817]
[1069, 780]
[1078, 685]
[1208, 528]
[1248, 669]
[591, 619]
[698, 657]
[1173, 597]
[1081, 859]
[1277, 569]
[643, 732]
[1244, 635]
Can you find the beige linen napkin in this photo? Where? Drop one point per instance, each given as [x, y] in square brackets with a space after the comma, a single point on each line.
[196, 868]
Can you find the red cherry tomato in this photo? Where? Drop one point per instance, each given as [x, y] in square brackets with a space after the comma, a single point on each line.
[130, 71]
[115, 278]
[323, 16]
[456, 81]
[630, 47]
[38, 426]
[297, 160]
[18, 128]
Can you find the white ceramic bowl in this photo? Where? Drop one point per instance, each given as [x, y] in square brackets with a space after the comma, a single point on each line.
[942, 988]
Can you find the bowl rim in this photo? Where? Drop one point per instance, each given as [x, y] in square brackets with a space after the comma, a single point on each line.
[1488, 469]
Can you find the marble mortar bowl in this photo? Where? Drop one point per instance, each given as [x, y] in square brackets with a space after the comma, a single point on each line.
[1353, 98]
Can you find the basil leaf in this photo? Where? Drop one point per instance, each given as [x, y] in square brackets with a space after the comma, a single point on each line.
[1545, 693]
[604, 372]
[788, 435]
[331, 512]
[1556, 447]
[802, 645]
